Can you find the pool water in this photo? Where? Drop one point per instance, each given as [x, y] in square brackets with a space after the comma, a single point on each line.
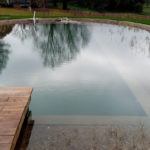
[79, 69]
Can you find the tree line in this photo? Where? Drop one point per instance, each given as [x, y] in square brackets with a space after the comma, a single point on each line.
[46, 3]
[34, 3]
[98, 5]
[113, 5]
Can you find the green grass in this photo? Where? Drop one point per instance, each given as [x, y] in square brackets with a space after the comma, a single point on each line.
[10, 13]
[146, 10]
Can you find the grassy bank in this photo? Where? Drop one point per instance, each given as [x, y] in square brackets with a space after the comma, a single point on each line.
[11, 13]
[146, 10]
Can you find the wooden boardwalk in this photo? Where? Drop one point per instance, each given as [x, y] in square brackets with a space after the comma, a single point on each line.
[14, 103]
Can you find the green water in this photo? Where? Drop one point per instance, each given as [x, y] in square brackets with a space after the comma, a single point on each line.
[78, 69]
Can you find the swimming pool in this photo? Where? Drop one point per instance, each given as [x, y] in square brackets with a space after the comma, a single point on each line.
[79, 69]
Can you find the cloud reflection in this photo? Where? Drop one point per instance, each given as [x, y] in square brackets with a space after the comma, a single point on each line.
[56, 43]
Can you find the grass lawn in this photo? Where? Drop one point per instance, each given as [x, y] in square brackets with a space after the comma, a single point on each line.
[146, 10]
[11, 13]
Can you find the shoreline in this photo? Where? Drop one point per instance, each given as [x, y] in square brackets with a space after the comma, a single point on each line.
[76, 20]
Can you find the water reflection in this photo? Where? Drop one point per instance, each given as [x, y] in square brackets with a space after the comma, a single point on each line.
[56, 43]
[4, 55]
[107, 74]
[137, 47]
[4, 30]
[108, 81]
[4, 47]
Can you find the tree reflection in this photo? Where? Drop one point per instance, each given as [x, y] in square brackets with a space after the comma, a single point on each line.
[24, 31]
[4, 48]
[59, 43]
[136, 46]
[56, 43]
[4, 30]
[4, 55]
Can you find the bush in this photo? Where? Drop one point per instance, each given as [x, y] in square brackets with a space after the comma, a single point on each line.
[138, 8]
[5, 3]
[113, 5]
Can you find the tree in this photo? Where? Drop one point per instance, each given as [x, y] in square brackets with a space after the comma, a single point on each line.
[6, 3]
[113, 5]
[147, 2]
[55, 3]
[65, 4]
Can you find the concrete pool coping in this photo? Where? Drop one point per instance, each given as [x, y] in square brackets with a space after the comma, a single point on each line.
[79, 137]
[76, 20]
[83, 120]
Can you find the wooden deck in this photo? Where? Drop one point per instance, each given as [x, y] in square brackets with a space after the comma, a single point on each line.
[14, 103]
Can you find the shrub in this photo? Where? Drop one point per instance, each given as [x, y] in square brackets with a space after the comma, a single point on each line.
[138, 8]
[5, 3]
[113, 5]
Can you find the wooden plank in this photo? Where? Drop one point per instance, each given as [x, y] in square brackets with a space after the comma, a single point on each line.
[5, 146]
[14, 103]
[6, 139]
[14, 92]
